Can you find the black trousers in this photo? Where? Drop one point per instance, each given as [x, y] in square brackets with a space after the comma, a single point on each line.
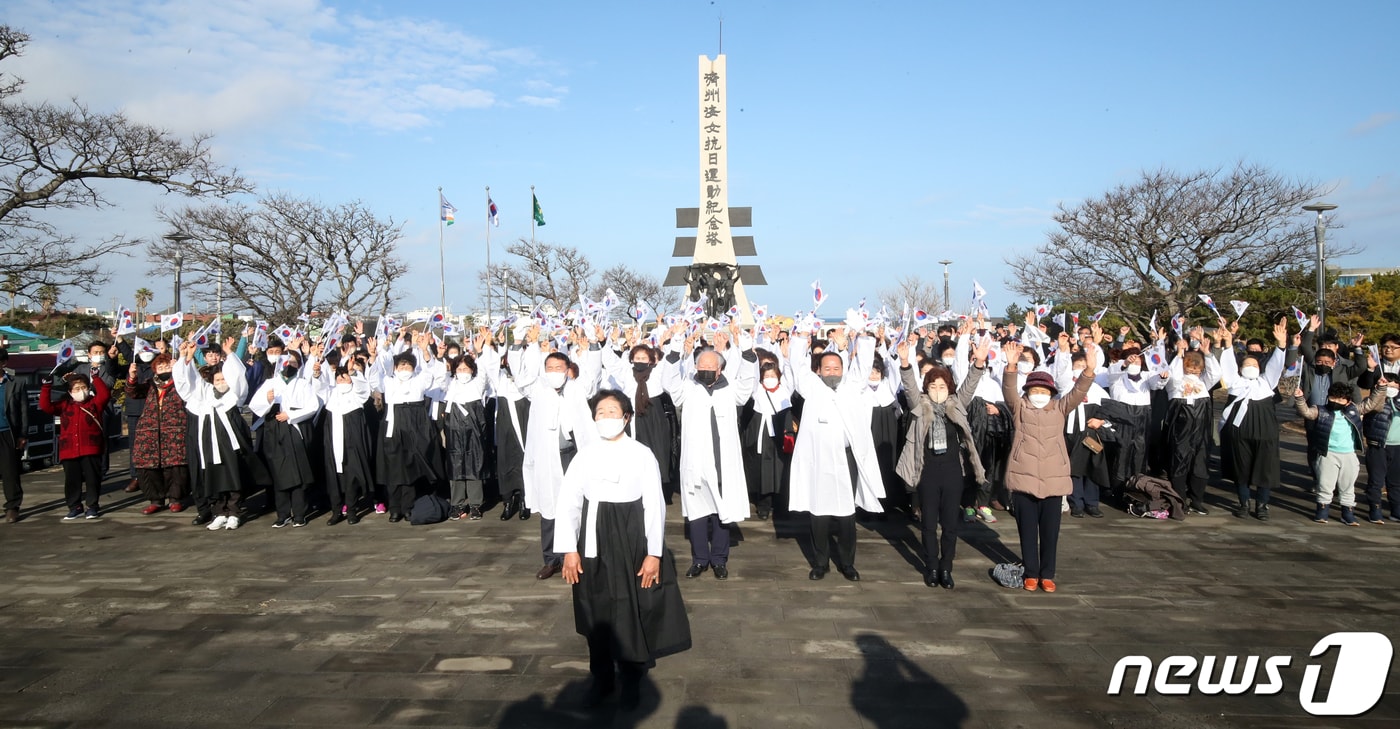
[9, 469]
[291, 503]
[1038, 522]
[940, 496]
[1086, 492]
[1382, 472]
[602, 665]
[131, 421]
[401, 498]
[844, 529]
[82, 481]
[547, 542]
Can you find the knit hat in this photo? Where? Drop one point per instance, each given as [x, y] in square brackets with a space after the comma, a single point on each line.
[1041, 379]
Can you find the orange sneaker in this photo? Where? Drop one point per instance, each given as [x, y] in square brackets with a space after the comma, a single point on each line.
[1031, 584]
[1047, 585]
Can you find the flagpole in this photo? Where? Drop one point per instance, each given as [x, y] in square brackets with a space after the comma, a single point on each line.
[488, 256]
[442, 266]
[532, 217]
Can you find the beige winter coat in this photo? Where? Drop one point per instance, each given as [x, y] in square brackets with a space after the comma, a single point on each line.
[1039, 462]
[911, 460]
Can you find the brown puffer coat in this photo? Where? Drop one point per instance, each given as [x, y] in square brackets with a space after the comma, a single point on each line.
[1039, 462]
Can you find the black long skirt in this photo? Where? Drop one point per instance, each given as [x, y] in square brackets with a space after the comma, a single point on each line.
[355, 466]
[238, 470]
[510, 454]
[414, 454]
[765, 471]
[465, 436]
[642, 625]
[1254, 458]
[284, 451]
[655, 430]
[1188, 438]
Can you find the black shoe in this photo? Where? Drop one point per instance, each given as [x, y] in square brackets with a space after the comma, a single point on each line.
[1076, 513]
[1093, 511]
[849, 573]
[817, 573]
[474, 513]
[395, 518]
[456, 513]
[1198, 510]
[932, 578]
[509, 506]
[1262, 513]
[946, 580]
[335, 519]
[696, 570]
[597, 694]
[763, 514]
[524, 514]
[299, 523]
[353, 518]
[1241, 511]
[202, 519]
[721, 572]
[282, 523]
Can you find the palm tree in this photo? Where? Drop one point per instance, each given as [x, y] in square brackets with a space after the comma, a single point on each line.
[12, 287]
[143, 297]
[48, 298]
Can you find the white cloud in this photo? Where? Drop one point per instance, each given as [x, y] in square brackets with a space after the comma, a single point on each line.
[1372, 123]
[538, 101]
[254, 65]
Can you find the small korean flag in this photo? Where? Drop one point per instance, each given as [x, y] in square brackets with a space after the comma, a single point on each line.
[172, 322]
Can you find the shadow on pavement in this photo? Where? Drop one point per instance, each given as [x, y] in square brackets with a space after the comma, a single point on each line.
[893, 690]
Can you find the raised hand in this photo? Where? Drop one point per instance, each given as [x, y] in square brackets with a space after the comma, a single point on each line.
[1281, 332]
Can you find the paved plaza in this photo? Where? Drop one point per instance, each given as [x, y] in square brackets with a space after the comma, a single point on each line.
[147, 621]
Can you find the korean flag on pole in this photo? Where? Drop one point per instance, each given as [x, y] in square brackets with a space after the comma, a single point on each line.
[172, 322]
[126, 322]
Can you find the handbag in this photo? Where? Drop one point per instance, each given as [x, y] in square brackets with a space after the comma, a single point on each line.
[1092, 442]
[1009, 574]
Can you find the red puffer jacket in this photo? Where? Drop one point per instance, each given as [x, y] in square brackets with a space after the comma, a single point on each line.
[80, 424]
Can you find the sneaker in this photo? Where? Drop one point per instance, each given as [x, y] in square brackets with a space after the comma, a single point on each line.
[381, 509]
[74, 514]
[1047, 585]
[232, 523]
[1197, 510]
[1262, 513]
[281, 523]
[91, 514]
[985, 514]
[1320, 514]
[1376, 517]
[1077, 513]
[456, 514]
[969, 515]
[298, 523]
[475, 513]
[1032, 584]
[217, 524]
[1349, 518]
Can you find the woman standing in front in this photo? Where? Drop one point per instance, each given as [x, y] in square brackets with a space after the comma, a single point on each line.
[611, 516]
[1038, 473]
[939, 459]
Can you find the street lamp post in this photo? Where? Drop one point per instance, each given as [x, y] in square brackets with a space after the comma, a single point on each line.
[178, 238]
[1320, 235]
[947, 300]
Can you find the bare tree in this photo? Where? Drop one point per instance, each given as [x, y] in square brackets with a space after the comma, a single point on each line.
[633, 287]
[286, 257]
[916, 292]
[1156, 243]
[545, 274]
[52, 157]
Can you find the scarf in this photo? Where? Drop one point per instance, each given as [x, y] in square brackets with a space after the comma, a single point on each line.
[643, 398]
[938, 427]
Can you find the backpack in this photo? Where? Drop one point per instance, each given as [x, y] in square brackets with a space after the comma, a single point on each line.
[429, 509]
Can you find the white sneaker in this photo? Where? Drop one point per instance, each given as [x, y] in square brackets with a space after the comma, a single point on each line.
[232, 523]
[217, 524]
[985, 514]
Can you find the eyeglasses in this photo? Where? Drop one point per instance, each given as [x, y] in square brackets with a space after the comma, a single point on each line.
[1391, 348]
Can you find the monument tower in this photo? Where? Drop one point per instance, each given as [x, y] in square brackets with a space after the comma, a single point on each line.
[714, 268]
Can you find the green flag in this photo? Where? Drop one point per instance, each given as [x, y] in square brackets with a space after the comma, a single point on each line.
[539, 212]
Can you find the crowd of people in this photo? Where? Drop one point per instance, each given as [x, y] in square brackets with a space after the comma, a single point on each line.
[944, 427]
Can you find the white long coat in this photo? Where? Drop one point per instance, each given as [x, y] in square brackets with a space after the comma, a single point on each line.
[703, 490]
[833, 420]
[554, 414]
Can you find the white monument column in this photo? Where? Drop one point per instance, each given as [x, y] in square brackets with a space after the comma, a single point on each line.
[713, 241]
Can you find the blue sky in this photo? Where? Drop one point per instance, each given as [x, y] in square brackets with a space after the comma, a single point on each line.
[871, 139]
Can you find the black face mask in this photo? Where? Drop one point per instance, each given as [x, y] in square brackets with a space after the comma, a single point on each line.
[1335, 405]
[1322, 369]
[642, 367]
[163, 378]
[706, 377]
[290, 371]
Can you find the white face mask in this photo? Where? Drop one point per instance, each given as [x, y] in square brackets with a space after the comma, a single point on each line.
[343, 387]
[1392, 392]
[221, 389]
[1077, 372]
[146, 356]
[874, 385]
[609, 428]
[1249, 373]
[1135, 369]
[403, 375]
[79, 396]
[464, 377]
[949, 361]
[1039, 399]
[770, 383]
[96, 360]
[555, 379]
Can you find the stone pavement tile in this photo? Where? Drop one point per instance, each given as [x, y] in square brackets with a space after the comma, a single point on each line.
[476, 664]
[435, 643]
[1077, 655]
[764, 691]
[749, 716]
[1090, 695]
[12, 656]
[402, 686]
[300, 710]
[437, 712]
[566, 666]
[14, 680]
[1043, 718]
[199, 682]
[374, 662]
[364, 640]
[254, 659]
[276, 683]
